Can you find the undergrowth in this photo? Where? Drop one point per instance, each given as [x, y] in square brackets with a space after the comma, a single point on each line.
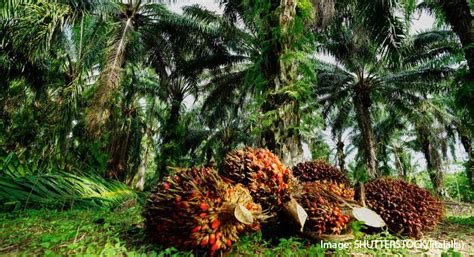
[105, 232]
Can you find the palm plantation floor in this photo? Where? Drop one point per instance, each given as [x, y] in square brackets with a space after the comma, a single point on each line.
[120, 233]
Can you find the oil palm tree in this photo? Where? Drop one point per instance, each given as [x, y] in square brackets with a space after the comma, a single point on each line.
[131, 23]
[270, 67]
[362, 79]
[181, 68]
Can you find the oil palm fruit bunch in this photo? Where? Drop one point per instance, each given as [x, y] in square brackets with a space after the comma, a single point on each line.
[331, 177]
[268, 180]
[324, 214]
[196, 209]
[406, 208]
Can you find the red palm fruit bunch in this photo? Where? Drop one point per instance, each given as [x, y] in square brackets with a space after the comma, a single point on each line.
[331, 177]
[406, 208]
[267, 178]
[324, 213]
[196, 209]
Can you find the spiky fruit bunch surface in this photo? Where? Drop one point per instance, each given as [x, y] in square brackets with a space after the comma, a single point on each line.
[324, 214]
[196, 209]
[406, 208]
[331, 177]
[268, 180]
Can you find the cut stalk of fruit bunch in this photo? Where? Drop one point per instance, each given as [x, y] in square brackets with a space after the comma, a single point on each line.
[196, 209]
[297, 212]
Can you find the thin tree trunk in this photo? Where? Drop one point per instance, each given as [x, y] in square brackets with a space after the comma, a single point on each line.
[209, 160]
[142, 171]
[140, 185]
[399, 164]
[383, 155]
[362, 103]
[341, 158]
[433, 161]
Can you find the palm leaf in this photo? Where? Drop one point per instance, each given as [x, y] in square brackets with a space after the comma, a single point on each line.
[63, 189]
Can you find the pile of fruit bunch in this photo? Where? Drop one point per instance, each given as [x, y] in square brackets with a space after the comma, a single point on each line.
[406, 208]
[268, 180]
[324, 214]
[196, 209]
[331, 178]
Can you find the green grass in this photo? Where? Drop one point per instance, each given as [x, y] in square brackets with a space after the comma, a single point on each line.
[461, 220]
[82, 232]
[104, 232]
[110, 233]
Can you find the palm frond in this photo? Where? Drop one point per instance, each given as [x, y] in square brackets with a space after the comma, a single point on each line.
[384, 26]
[61, 190]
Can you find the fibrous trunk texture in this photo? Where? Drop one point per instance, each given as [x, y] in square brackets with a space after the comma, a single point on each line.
[281, 136]
[362, 102]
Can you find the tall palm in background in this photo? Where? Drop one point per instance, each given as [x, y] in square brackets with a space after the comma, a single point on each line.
[459, 15]
[362, 78]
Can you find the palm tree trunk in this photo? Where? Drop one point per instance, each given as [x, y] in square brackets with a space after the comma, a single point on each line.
[458, 14]
[362, 103]
[140, 185]
[341, 157]
[209, 160]
[281, 136]
[118, 149]
[170, 143]
[399, 164]
[433, 161]
[467, 144]
[383, 155]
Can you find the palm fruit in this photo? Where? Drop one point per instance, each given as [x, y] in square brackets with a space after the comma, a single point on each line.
[406, 208]
[331, 177]
[268, 180]
[196, 209]
[324, 214]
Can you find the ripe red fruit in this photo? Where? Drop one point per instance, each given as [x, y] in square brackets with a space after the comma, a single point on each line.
[215, 224]
[166, 186]
[203, 215]
[229, 243]
[214, 247]
[212, 239]
[204, 206]
[204, 241]
[196, 229]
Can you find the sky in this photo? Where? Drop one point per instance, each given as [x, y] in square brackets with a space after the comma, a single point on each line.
[421, 22]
